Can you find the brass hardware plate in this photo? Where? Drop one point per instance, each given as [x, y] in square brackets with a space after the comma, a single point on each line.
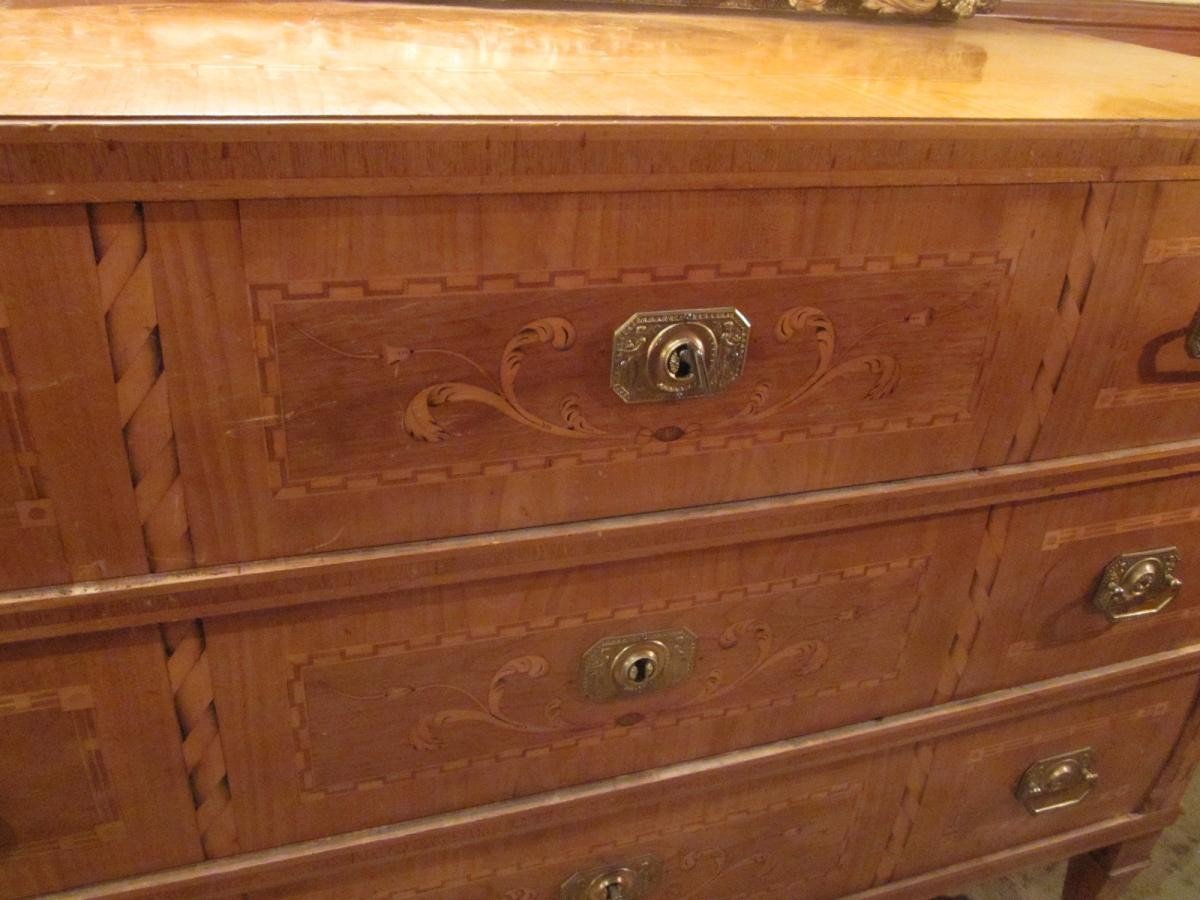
[675, 354]
[1138, 584]
[631, 881]
[634, 664]
[1058, 781]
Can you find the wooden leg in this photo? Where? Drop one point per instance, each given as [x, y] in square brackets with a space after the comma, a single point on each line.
[1104, 873]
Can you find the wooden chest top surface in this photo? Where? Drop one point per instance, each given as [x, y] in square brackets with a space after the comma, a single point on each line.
[287, 61]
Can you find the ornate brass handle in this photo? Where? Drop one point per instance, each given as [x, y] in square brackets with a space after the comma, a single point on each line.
[632, 664]
[1138, 584]
[632, 881]
[1057, 781]
[676, 354]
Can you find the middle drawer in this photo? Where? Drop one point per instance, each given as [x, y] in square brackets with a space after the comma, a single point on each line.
[401, 705]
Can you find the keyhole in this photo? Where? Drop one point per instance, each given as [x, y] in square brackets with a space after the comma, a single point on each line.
[612, 891]
[641, 670]
[680, 364]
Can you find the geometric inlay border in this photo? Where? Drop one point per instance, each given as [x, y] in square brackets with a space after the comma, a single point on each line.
[264, 297]
[77, 704]
[301, 663]
[841, 802]
[1060, 536]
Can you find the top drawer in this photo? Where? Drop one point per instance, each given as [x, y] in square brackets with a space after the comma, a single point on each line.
[359, 371]
[1134, 376]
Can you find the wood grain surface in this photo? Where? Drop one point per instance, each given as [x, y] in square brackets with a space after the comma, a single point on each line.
[968, 807]
[67, 507]
[343, 716]
[345, 343]
[1131, 381]
[896, 333]
[361, 59]
[298, 580]
[1168, 26]
[379, 857]
[93, 784]
[1038, 618]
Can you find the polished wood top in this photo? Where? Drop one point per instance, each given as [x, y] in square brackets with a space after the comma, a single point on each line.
[359, 60]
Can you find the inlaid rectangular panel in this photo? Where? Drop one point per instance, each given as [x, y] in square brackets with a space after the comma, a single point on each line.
[348, 715]
[968, 785]
[1041, 611]
[1131, 379]
[358, 371]
[93, 784]
[756, 830]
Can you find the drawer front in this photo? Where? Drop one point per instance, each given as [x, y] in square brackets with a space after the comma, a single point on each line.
[1131, 379]
[92, 785]
[398, 706]
[359, 371]
[67, 505]
[981, 784]
[766, 831]
[1048, 609]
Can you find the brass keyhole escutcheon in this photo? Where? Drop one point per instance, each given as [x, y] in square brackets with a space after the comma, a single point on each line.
[632, 664]
[678, 354]
[633, 881]
[1138, 584]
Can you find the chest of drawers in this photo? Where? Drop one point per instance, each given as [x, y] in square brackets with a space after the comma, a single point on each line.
[466, 454]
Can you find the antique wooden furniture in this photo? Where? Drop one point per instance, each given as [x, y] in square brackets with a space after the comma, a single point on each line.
[464, 453]
[1173, 25]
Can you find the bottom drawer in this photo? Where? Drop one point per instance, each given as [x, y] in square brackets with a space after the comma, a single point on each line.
[750, 831]
[1092, 760]
[815, 818]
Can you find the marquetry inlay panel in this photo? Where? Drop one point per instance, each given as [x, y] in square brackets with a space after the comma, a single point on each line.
[1044, 571]
[92, 785]
[459, 406]
[391, 707]
[768, 656]
[1131, 381]
[131, 321]
[781, 830]
[968, 807]
[361, 371]
[76, 768]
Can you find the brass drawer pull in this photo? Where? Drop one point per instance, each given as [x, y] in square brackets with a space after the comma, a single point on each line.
[633, 664]
[676, 354]
[1058, 781]
[1138, 584]
[633, 881]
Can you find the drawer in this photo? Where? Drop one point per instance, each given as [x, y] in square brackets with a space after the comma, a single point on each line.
[388, 708]
[1045, 612]
[92, 785]
[1131, 379]
[982, 787]
[762, 831]
[820, 817]
[350, 372]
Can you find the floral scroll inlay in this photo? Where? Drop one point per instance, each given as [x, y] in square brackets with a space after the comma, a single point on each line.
[802, 658]
[500, 392]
